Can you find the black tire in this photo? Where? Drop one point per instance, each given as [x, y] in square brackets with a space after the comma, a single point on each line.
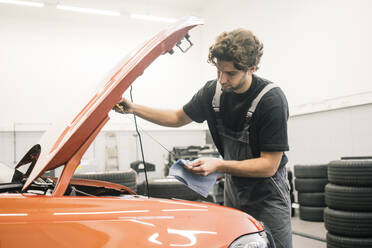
[311, 199]
[350, 172]
[349, 224]
[348, 198]
[311, 213]
[310, 185]
[311, 171]
[171, 188]
[127, 178]
[334, 241]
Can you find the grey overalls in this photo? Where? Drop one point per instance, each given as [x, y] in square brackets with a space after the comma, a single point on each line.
[266, 199]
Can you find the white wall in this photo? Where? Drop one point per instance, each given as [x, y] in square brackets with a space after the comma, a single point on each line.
[320, 137]
[314, 49]
[51, 61]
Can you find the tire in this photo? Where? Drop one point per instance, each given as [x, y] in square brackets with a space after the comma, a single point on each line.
[350, 172]
[311, 171]
[334, 241]
[311, 213]
[348, 198]
[171, 188]
[349, 224]
[309, 185]
[311, 199]
[127, 178]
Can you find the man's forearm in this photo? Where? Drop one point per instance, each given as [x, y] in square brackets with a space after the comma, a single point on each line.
[163, 117]
[256, 167]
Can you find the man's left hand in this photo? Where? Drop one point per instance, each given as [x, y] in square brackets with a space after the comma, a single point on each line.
[204, 166]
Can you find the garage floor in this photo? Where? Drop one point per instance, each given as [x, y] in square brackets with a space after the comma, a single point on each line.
[307, 228]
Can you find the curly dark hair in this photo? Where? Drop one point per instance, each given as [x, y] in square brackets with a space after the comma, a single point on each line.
[240, 46]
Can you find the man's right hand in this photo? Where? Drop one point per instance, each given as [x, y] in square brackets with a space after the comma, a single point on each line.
[163, 117]
[124, 107]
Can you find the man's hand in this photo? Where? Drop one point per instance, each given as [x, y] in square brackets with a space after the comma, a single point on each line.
[163, 117]
[204, 166]
[124, 107]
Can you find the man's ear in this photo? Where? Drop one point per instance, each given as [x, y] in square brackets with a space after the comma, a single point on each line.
[252, 69]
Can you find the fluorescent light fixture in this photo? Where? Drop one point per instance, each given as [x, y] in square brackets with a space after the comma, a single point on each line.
[88, 10]
[152, 18]
[26, 3]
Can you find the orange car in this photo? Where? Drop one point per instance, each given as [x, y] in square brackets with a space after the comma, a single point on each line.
[38, 211]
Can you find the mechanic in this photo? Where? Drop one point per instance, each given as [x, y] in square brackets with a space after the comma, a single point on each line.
[247, 117]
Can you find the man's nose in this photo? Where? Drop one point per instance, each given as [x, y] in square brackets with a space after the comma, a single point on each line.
[222, 78]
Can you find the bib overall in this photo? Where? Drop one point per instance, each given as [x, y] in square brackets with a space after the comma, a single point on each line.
[266, 199]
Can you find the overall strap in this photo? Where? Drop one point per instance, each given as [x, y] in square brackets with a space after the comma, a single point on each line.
[258, 98]
[217, 97]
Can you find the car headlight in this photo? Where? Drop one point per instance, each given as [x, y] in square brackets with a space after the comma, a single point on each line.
[255, 240]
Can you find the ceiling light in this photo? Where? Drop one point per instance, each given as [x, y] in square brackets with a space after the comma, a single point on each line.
[26, 3]
[152, 18]
[88, 10]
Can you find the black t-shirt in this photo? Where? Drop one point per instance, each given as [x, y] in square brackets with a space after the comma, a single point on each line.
[268, 130]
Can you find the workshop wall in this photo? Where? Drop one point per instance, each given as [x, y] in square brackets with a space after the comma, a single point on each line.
[320, 137]
[14, 145]
[52, 61]
[315, 50]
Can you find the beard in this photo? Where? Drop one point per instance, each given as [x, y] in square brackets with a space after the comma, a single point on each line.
[240, 85]
[237, 87]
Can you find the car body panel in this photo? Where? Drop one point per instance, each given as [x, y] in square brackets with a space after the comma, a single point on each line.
[130, 221]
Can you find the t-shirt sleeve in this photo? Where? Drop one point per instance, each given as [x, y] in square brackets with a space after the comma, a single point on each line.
[197, 107]
[272, 126]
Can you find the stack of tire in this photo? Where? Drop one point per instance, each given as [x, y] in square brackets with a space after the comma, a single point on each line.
[310, 182]
[348, 217]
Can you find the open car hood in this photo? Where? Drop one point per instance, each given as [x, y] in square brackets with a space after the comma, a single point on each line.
[65, 143]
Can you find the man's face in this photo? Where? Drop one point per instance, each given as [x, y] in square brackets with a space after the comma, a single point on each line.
[232, 79]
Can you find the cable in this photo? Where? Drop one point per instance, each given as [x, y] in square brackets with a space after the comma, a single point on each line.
[148, 134]
[305, 235]
[140, 140]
